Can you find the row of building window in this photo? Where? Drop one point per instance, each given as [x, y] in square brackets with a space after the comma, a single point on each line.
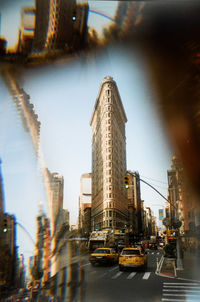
[108, 114]
[108, 135]
[115, 175]
[109, 142]
[110, 195]
[108, 164]
[110, 160]
[109, 223]
[110, 204]
[108, 214]
[108, 108]
[108, 100]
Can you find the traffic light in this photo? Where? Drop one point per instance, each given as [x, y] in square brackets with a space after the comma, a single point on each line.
[74, 15]
[126, 182]
[5, 225]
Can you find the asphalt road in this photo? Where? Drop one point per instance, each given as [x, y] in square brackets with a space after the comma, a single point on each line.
[108, 284]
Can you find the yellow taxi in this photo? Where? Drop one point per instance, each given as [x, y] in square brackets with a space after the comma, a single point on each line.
[103, 255]
[132, 258]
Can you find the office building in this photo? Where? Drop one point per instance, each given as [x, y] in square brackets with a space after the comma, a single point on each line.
[56, 188]
[60, 27]
[134, 203]
[41, 24]
[109, 197]
[41, 262]
[80, 28]
[85, 200]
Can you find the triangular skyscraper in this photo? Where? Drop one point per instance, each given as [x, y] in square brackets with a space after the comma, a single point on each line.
[109, 197]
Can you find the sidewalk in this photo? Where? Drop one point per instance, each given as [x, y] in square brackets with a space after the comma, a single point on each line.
[190, 265]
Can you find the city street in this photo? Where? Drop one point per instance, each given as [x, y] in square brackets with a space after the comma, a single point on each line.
[107, 283]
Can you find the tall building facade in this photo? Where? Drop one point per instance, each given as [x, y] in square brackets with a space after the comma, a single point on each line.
[134, 203]
[109, 197]
[184, 205]
[8, 244]
[80, 25]
[56, 186]
[60, 28]
[175, 189]
[41, 24]
[8, 251]
[25, 107]
[41, 264]
[85, 199]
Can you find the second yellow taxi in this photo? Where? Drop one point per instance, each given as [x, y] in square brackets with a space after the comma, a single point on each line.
[103, 256]
[132, 258]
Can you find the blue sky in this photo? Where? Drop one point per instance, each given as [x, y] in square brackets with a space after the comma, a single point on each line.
[64, 98]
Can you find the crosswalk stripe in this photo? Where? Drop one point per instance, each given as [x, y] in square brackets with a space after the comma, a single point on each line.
[179, 292]
[85, 264]
[146, 276]
[113, 269]
[103, 275]
[131, 275]
[117, 275]
[182, 290]
[176, 283]
[177, 300]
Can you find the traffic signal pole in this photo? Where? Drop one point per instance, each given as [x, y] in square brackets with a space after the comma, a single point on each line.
[179, 265]
[127, 185]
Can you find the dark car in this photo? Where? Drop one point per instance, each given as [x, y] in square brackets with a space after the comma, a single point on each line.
[153, 246]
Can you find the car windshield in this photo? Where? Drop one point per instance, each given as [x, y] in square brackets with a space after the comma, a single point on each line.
[102, 251]
[131, 252]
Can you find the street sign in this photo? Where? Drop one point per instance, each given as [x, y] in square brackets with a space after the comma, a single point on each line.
[161, 214]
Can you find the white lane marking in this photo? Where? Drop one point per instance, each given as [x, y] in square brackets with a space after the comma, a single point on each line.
[176, 283]
[103, 275]
[117, 275]
[146, 276]
[86, 264]
[176, 300]
[182, 290]
[131, 275]
[114, 268]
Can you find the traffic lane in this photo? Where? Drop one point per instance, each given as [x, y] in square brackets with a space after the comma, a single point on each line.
[109, 285]
[153, 257]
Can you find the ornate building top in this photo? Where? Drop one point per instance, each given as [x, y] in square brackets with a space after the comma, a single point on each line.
[107, 78]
